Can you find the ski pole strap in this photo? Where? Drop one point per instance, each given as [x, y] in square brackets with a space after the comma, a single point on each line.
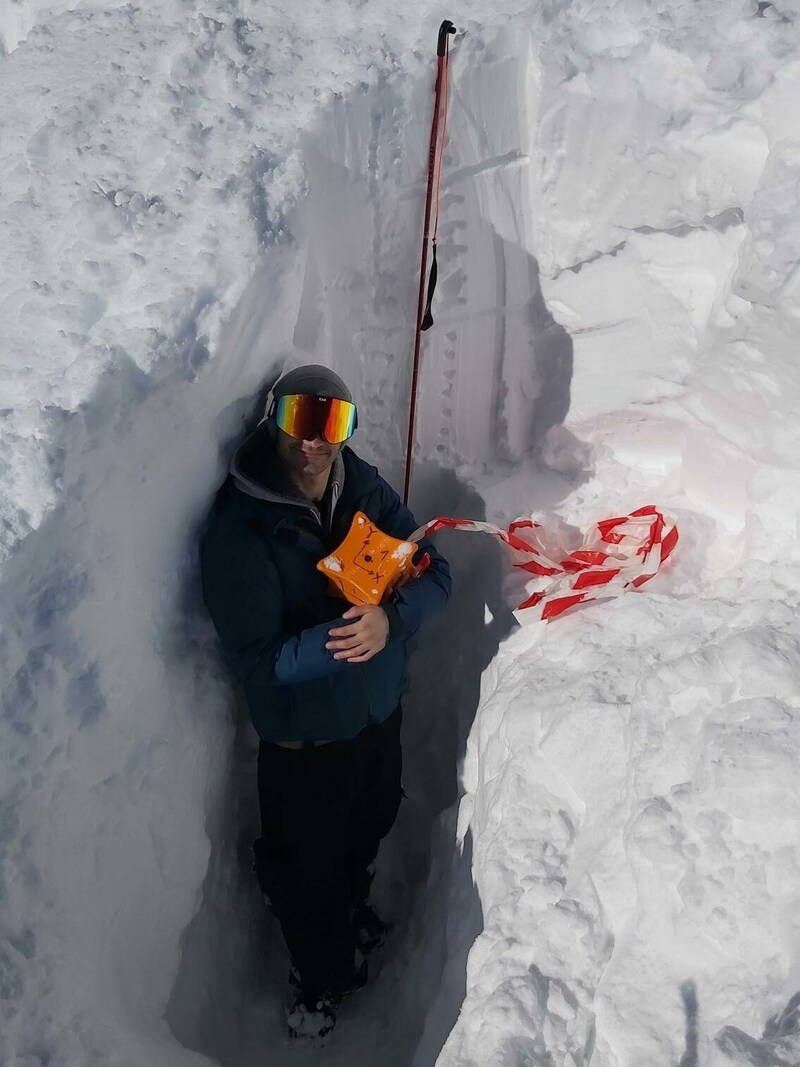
[442, 86]
[427, 318]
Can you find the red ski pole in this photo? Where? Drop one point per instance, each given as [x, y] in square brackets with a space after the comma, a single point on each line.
[424, 317]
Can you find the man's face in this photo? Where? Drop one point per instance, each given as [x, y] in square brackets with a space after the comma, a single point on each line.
[310, 458]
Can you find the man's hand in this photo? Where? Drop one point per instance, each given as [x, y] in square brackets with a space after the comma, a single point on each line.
[363, 638]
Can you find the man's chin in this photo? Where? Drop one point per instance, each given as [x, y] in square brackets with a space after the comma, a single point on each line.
[315, 465]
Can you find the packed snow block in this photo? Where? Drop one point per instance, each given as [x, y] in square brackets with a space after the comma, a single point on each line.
[369, 563]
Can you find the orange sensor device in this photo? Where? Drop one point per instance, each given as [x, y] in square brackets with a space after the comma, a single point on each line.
[368, 564]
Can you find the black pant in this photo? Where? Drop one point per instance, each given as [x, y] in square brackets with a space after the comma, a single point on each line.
[324, 811]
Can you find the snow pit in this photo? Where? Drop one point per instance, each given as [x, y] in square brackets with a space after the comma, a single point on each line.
[597, 861]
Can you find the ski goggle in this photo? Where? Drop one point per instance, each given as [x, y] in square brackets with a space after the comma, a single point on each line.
[302, 415]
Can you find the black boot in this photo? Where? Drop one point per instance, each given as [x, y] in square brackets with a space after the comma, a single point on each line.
[312, 1019]
[312, 1016]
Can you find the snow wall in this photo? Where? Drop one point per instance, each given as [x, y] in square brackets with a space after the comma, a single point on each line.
[598, 859]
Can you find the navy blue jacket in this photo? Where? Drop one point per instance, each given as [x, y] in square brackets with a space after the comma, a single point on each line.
[273, 609]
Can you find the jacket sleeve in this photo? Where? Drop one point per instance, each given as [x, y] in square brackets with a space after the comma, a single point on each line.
[411, 604]
[243, 594]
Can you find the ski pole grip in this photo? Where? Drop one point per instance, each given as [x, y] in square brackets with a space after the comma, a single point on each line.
[445, 28]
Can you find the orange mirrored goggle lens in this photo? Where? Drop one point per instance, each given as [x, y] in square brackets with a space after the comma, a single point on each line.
[302, 415]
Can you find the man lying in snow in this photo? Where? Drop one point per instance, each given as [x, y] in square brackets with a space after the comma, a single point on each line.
[323, 686]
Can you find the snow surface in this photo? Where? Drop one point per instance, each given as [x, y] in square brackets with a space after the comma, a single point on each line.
[598, 861]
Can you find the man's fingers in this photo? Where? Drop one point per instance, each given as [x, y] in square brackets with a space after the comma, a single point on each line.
[346, 642]
[352, 654]
[357, 610]
[355, 643]
[362, 658]
[345, 631]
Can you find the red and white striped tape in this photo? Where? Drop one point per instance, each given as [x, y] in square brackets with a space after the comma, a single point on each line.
[615, 555]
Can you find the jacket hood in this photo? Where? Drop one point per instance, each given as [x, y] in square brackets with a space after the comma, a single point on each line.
[257, 472]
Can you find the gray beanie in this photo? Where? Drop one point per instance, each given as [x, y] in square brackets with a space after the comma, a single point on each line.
[312, 378]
